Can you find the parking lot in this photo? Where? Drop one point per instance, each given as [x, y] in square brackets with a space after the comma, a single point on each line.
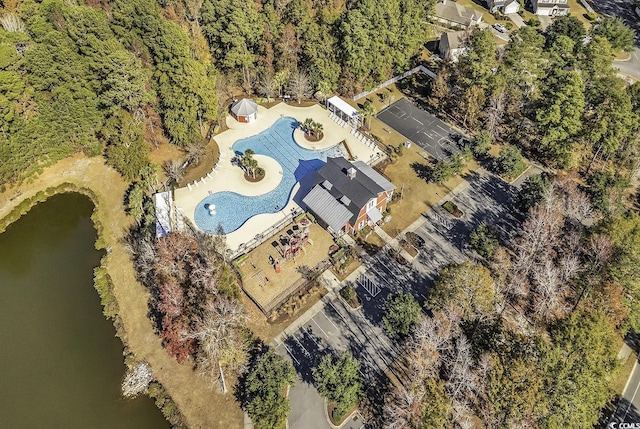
[422, 128]
[337, 328]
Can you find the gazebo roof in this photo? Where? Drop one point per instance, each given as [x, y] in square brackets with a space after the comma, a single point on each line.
[244, 107]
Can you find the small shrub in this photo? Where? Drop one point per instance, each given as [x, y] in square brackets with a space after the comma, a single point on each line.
[533, 22]
[452, 208]
[348, 293]
[591, 16]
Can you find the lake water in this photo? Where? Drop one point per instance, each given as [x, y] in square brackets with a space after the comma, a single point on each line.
[60, 363]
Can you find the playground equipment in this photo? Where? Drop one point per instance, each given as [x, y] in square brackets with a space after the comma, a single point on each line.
[290, 245]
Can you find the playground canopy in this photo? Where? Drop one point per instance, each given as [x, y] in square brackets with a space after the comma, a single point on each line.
[344, 110]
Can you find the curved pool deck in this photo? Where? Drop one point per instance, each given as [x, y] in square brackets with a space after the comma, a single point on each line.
[277, 142]
[230, 177]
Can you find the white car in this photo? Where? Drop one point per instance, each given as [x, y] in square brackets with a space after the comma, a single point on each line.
[501, 28]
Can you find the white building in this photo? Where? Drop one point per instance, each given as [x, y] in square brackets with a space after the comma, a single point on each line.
[550, 7]
[504, 6]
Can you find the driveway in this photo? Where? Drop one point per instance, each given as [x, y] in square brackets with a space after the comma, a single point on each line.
[628, 410]
[624, 9]
[517, 20]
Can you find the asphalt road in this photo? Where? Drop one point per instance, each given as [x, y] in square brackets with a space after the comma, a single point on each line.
[422, 128]
[631, 67]
[628, 410]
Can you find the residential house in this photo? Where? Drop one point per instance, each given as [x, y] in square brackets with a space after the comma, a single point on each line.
[456, 15]
[504, 6]
[550, 7]
[347, 196]
[450, 45]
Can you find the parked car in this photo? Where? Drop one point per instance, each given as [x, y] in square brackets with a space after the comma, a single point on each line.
[501, 28]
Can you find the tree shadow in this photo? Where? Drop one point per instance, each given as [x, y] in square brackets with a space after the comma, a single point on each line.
[423, 171]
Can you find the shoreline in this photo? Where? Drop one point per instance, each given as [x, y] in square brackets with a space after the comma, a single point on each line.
[176, 386]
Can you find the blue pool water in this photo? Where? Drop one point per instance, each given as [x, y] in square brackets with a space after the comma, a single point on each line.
[232, 209]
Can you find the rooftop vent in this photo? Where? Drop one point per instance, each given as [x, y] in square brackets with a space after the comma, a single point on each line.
[327, 185]
[351, 173]
[345, 200]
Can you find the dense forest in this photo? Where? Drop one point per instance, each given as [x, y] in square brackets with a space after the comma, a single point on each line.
[85, 76]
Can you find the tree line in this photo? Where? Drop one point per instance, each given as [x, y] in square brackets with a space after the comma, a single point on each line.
[101, 77]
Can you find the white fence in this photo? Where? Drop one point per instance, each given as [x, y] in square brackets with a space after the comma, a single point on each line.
[420, 68]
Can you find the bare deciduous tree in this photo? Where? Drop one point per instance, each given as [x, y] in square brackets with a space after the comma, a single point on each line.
[405, 407]
[495, 113]
[137, 379]
[12, 23]
[267, 86]
[550, 302]
[300, 85]
[173, 170]
[599, 250]
[221, 341]
[195, 152]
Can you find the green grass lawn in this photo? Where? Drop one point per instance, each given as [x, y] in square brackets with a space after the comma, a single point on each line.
[579, 12]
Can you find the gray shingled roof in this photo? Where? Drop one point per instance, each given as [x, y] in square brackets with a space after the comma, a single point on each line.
[324, 205]
[378, 178]
[454, 12]
[244, 107]
[366, 185]
[454, 38]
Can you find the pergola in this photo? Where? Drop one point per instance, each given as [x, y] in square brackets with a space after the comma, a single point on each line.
[344, 111]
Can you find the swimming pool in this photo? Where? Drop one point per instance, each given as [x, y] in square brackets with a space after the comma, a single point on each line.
[232, 210]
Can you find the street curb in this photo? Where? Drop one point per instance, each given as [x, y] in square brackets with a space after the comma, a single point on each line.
[347, 418]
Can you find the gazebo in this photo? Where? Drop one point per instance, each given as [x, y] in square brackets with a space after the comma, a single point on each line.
[244, 110]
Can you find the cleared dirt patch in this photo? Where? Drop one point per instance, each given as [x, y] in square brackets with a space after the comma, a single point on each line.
[259, 275]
